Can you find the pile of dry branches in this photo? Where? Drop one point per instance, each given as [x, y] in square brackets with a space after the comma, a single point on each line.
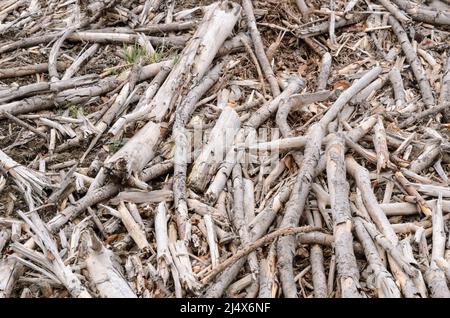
[224, 148]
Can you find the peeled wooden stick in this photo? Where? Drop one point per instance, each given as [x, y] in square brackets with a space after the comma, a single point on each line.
[88, 200]
[324, 72]
[350, 5]
[379, 141]
[238, 286]
[309, 31]
[259, 48]
[27, 42]
[164, 259]
[316, 258]
[239, 219]
[323, 199]
[45, 87]
[303, 7]
[416, 66]
[255, 61]
[432, 190]
[105, 37]
[445, 266]
[444, 97]
[332, 23]
[103, 272]
[75, 66]
[295, 206]
[99, 6]
[267, 275]
[361, 176]
[135, 231]
[276, 172]
[315, 45]
[386, 287]
[434, 276]
[392, 250]
[295, 84]
[224, 280]
[394, 10]
[338, 186]
[29, 70]
[426, 158]
[5, 235]
[421, 203]
[204, 209]
[182, 264]
[331, 273]
[143, 106]
[425, 14]
[404, 144]
[444, 101]
[148, 11]
[405, 208]
[212, 241]
[282, 144]
[365, 153]
[423, 114]
[108, 117]
[220, 141]
[397, 85]
[418, 280]
[167, 27]
[367, 93]
[53, 55]
[249, 200]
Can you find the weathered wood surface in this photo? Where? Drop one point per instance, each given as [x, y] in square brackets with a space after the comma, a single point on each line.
[291, 149]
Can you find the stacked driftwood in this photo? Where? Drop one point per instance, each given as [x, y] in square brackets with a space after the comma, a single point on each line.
[233, 148]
